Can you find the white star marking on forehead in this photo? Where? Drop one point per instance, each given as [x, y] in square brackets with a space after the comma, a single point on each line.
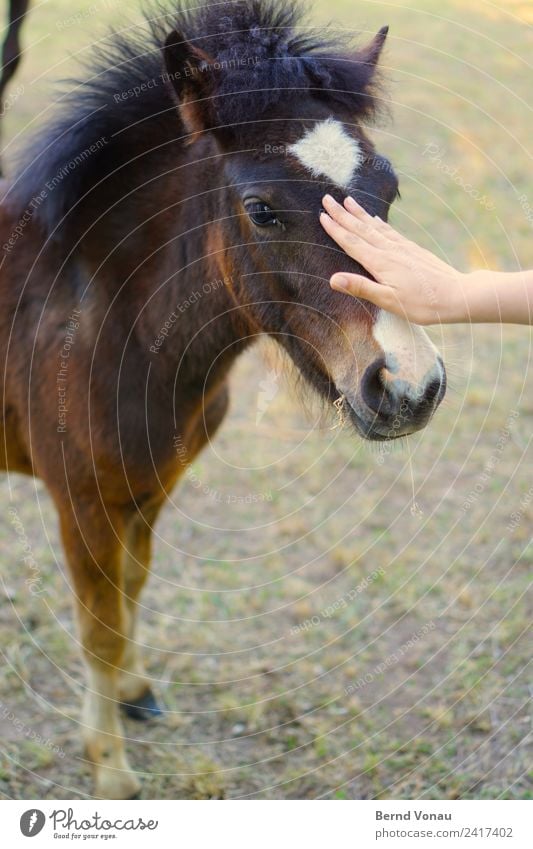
[327, 150]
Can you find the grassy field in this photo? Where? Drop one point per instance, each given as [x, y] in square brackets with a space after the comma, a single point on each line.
[310, 630]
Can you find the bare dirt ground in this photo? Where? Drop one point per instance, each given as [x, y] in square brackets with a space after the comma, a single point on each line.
[312, 627]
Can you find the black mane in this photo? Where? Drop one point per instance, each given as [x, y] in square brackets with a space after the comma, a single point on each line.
[124, 111]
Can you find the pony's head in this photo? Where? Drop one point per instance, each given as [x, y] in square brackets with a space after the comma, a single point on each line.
[287, 115]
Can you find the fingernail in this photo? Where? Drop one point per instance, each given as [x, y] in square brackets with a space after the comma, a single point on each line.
[328, 198]
[350, 201]
[339, 282]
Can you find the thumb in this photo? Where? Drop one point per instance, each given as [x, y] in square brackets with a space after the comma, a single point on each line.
[359, 287]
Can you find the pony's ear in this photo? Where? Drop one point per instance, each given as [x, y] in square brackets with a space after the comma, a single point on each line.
[368, 57]
[191, 75]
[352, 79]
[372, 51]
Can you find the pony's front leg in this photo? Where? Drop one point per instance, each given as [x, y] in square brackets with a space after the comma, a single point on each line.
[92, 540]
[135, 692]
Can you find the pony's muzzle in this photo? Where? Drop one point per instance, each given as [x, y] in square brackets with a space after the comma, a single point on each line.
[395, 407]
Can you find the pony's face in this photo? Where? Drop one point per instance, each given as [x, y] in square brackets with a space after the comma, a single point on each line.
[388, 370]
[275, 169]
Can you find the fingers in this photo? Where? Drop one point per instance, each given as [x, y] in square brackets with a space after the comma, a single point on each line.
[365, 254]
[364, 227]
[359, 211]
[361, 287]
[355, 209]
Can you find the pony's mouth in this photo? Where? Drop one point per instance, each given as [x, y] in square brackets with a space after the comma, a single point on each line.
[371, 427]
[368, 427]
[370, 430]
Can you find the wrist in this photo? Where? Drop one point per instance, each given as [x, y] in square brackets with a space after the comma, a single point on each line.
[461, 297]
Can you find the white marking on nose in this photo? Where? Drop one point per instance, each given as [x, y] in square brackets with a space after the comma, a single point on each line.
[411, 358]
[328, 150]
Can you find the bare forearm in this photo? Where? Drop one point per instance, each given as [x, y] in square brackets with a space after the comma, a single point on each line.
[495, 296]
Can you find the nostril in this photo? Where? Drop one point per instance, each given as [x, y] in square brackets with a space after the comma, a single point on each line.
[375, 392]
[435, 390]
[432, 390]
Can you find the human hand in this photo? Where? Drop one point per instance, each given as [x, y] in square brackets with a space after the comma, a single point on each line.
[411, 281]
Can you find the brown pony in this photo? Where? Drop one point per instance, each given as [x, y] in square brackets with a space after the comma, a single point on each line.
[193, 160]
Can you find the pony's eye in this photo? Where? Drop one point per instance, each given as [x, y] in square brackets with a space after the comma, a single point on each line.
[261, 214]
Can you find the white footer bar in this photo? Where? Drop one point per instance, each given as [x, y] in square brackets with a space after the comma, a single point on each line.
[268, 824]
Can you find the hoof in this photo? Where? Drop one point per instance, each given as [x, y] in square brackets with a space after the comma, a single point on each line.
[110, 785]
[143, 708]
